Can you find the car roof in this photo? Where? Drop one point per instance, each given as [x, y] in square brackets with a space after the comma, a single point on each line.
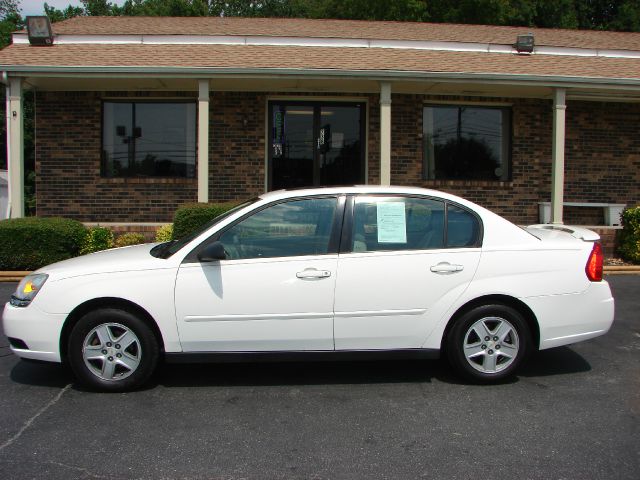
[361, 189]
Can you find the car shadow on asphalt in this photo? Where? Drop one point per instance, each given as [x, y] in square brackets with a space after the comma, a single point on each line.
[44, 374]
[558, 361]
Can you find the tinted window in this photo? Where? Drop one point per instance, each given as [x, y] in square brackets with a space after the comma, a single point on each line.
[397, 223]
[145, 139]
[467, 143]
[463, 228]
[299, 227]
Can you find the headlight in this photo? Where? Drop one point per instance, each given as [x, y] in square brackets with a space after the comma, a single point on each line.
[28, 289]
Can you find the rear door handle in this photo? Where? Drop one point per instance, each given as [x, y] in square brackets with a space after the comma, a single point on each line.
[312, 273]
[446, 268]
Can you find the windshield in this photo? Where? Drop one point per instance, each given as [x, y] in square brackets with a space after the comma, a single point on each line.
[166, 249]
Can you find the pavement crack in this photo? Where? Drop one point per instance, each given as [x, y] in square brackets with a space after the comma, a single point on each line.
[78, 469]
[29, 422]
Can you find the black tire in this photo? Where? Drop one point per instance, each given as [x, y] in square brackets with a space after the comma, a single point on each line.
[140, 356]
[493, 361]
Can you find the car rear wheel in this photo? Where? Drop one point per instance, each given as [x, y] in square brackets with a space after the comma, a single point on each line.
[112, 350]
[488, 343]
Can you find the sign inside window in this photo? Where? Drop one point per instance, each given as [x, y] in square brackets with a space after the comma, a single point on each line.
[324, 139]
[278, 132]
[392, 222]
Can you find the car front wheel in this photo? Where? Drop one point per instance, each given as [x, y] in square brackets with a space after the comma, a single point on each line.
[112, 350]
[488, 343]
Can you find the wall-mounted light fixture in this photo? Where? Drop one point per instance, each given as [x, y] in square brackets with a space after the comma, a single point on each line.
[39, 30]
[524, 43]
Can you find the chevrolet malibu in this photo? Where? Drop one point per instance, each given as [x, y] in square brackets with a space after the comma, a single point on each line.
[320, 273]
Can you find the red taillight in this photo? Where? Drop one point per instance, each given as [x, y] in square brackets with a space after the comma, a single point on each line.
[594, 264]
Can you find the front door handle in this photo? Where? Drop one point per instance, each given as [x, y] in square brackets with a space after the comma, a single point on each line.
[446, 268]
[312, 273]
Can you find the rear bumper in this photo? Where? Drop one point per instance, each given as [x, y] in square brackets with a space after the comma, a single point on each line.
[566, 319]
[40, 331]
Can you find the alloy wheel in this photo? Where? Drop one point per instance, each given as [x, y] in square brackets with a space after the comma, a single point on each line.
[111, 351]
[491, 344]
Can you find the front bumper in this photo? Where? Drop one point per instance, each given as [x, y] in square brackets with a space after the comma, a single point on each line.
[40, 331]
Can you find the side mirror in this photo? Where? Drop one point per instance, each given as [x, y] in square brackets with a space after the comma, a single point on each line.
[212, 252]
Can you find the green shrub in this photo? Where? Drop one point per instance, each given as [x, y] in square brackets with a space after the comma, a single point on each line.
[129, 238]
[191, 217]
[630, 236]
[97, 239]
[32, 242]
[164, 233]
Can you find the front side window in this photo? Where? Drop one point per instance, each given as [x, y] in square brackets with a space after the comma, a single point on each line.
[294, 228]
[466, 143]
[147, 139]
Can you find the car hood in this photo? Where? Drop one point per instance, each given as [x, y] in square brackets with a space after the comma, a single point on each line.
[136, 257]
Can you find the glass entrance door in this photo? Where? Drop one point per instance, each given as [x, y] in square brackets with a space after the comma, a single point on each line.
[315, 144]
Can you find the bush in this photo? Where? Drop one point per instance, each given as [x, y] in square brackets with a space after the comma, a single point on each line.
[32, 242]
[129, 238]
[629, 247]
[164, 233]
[191, 217]
[97, 239]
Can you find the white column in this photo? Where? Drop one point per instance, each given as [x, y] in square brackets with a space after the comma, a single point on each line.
[385, 133]
[15, 148]
[557, 159]
[203, 141]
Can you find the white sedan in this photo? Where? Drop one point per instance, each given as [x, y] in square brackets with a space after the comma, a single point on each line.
[336, 272]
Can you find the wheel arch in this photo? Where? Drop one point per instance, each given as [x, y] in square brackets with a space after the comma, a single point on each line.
[106, 302]
[505, 300]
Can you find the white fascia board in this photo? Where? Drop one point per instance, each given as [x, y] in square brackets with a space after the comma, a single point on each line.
[98, 39]
[586, 52]
[619, 53]
[265, 40]
[193, 40]
[307, 42]
[430, 45]
[19, 38]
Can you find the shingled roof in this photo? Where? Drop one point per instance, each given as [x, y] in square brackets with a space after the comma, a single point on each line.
[110, 51]
[324, 28]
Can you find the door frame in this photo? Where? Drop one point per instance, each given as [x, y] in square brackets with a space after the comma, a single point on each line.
[312, 101]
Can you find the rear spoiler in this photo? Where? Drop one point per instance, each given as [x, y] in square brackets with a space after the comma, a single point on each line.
[576, 232]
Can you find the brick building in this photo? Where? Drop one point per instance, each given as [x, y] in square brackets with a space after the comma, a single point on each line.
[135, 116]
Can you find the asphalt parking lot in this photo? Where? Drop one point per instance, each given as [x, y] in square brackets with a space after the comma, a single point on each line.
[573, 413]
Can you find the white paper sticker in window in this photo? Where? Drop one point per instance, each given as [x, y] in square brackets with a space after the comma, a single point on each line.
[337, 140]
[392, 223]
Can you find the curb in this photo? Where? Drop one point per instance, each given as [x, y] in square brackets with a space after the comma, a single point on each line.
[622, 270]
[15, 276]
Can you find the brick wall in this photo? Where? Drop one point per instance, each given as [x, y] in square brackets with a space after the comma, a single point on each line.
[602, 161]
[603, 157]
[68, 181]
[236, 145]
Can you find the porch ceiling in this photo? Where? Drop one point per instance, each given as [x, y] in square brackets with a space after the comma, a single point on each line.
[328, 85]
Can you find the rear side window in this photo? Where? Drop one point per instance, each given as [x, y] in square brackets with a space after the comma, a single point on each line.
[463, 228]
[397, 223]
[382, 223]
